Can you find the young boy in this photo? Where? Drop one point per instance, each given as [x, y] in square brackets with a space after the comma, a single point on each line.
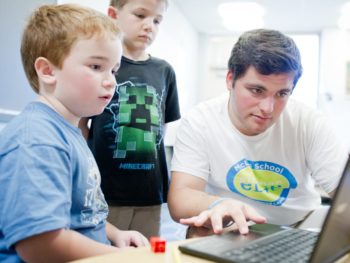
[52, 207]
[127, 139]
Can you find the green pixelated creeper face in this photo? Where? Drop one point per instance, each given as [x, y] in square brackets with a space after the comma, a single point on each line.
[138, 106]
[138, 120]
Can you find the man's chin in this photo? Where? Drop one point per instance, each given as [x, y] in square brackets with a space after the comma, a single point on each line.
[258, 130]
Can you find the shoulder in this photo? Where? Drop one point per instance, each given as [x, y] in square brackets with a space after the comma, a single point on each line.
[212, 105]
[37, 124]
[207, 111]
[162, 64]
[305, 122]
[298, 112]
[160, 61]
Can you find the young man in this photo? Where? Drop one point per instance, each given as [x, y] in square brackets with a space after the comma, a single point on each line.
[255, 154]
[52, 207]
[127, 138]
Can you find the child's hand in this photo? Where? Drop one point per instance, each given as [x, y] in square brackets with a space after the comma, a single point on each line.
[123, 239]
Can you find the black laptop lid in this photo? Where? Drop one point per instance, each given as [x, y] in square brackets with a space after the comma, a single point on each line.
[334, 240]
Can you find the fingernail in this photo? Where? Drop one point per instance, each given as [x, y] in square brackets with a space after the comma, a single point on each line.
[244, 230]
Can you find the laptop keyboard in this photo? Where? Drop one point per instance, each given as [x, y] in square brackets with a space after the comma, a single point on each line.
[293, 245]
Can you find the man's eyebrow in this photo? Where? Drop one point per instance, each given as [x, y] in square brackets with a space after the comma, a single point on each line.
[253, 85]
[286, 89]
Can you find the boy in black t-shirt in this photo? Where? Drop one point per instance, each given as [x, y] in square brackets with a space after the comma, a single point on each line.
[127, 138]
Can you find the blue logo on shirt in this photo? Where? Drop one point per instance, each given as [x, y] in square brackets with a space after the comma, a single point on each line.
[261, 181]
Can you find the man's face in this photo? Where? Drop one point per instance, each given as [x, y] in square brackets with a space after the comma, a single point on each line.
[256, 100]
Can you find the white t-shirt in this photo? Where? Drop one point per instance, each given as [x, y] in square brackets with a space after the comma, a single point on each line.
[275, 172]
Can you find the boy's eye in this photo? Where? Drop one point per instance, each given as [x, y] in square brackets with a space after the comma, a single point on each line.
[95, 67]
[140, 16]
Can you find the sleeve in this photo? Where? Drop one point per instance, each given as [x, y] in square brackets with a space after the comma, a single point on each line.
[172, 108]
[326, 155]
[36, 191]
[190, 154]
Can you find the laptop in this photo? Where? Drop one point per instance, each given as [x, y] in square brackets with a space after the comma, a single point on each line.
[275, 243]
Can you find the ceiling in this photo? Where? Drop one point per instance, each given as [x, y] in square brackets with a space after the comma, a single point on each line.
[289, 16]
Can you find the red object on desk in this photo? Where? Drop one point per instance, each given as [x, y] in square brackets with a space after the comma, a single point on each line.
[158, 244]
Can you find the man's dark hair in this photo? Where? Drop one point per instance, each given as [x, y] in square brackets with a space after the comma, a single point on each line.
[268, 51]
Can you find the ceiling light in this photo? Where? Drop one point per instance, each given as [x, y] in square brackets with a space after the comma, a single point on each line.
[241, 16]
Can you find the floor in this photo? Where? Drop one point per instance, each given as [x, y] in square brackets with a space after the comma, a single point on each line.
[170, 230]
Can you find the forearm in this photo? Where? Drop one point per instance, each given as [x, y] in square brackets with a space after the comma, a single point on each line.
[60, 246]
[187, 201]
[111, 231]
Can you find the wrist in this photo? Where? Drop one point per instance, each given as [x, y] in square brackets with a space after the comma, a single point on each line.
[216, 202]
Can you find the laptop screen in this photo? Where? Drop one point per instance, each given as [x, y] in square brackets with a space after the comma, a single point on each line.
[334, 240]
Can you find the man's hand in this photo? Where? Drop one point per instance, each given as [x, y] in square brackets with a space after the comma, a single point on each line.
[224, 212]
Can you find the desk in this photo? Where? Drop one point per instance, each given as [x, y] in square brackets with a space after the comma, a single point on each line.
[145, 255]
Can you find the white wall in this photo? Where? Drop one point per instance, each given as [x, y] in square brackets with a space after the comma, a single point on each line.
[213, 65]
[15, 91]
[335, 54]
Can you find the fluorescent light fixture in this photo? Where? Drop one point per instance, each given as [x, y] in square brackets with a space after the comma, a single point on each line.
[344, 19]
[241, 16]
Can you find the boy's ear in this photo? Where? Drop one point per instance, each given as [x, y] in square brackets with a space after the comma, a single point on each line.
[112, 12]
[45, 70]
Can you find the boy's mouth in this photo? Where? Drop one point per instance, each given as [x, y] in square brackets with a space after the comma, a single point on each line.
[106, 97]
[145, 37]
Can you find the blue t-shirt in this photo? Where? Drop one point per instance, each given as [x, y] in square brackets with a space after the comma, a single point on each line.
[49, 180]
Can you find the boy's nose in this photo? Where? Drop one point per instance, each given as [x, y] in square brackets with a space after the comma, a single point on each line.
[110, 82]
[148, 24]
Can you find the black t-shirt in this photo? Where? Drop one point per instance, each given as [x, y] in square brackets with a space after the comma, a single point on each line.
[127, 138]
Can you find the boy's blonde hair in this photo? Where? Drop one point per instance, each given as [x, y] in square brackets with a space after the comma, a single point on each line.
[120, 3]
[53, 29]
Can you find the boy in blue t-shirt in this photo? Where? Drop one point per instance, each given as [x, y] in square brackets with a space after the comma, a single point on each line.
[52, 207]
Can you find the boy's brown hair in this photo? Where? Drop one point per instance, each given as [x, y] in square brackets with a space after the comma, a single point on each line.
[120, 3]
[53, 29]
